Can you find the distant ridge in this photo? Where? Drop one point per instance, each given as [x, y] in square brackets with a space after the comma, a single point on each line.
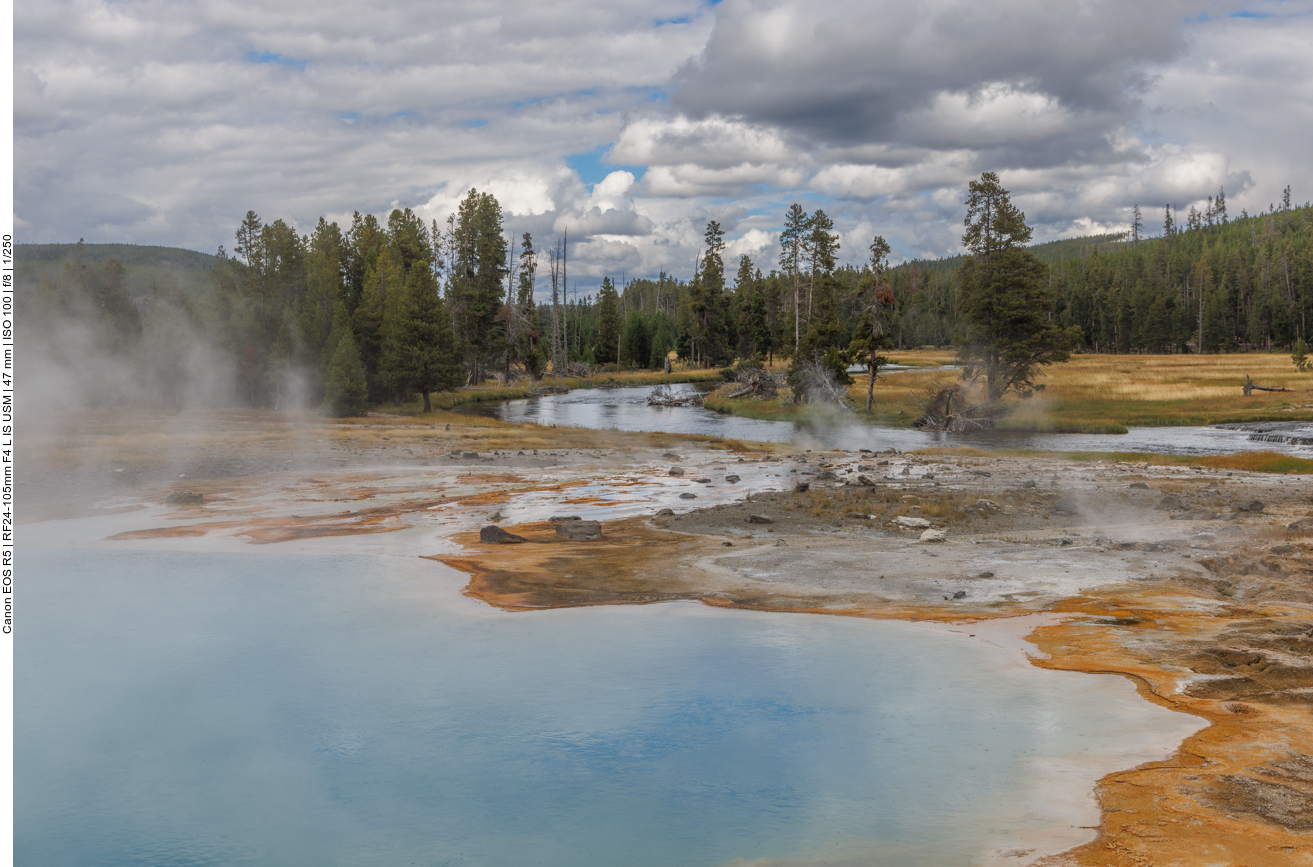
[172, 258]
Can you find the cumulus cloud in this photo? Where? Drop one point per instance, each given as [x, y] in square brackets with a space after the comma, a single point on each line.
[159, 121]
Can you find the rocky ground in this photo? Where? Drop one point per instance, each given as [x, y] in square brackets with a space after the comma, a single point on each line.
[1195, 583]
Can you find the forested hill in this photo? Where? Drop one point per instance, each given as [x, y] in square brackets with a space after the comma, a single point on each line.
[132, 255]
[1237, 284]
[1050, 253]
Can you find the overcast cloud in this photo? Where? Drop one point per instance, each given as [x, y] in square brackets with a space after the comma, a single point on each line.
[630, 124]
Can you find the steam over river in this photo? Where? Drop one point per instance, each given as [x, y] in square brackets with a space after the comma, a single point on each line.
[205, 708]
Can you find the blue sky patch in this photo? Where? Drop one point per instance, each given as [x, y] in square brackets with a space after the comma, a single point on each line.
[270, 57]
[591, 167]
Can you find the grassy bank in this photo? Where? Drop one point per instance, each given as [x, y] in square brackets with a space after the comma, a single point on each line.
[1090, 394]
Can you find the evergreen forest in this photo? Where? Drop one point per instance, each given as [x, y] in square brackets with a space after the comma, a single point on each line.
[381, 312]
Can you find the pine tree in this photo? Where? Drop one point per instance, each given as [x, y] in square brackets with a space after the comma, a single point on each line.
[1005, 297]
[877, 300]
[608, 312]
[345, 391]
[792, 243]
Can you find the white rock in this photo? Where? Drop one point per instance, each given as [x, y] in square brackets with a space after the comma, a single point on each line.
[933, 536]
[909, 523]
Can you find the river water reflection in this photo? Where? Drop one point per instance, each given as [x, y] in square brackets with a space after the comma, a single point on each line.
[627, 409]
[205, 708]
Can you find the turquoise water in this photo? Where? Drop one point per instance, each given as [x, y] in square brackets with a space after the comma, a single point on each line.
[182, 708]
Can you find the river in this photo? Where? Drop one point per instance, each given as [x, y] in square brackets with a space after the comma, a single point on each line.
[626, 409]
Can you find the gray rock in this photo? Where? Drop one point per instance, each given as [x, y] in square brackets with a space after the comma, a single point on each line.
[861, 516]
[583, 531]
[933, 536]
[1301, 525]
[470, 456]
[882, 463]
[961, 594]
[826, 476]
[985, 575]
[801, 487]
[687, 496]
[1253, 507]
[731, 479]
[665, 512]
[865, 482]
[1028, 483]
[758, 519]
[1170, 503]
[494, 535]
[1138, 485]
[1195, 515]
[1065, 506]
[185, 498]
[780, 543]
[676, 471]
[670, 456]
[981, 473]
[556, 519]
[703, 481]
[727, 544]
[909, 523]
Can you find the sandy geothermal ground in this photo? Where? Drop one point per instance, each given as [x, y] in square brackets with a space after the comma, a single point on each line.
[1197, 584]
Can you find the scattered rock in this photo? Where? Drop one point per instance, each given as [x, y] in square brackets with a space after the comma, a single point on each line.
[185, 498]
[908, 523]
[933, 536]
[703, 481]
[470, 456]
[1170, 503]
[826, 476]
[801, 487]
[494, 535]
[556, 519]
[985, 575]
[1138, 485]
[1253, 507]
[670, 456]
[496, 516]
[662, 513]
[676, 471]
[882, 463]
[1301, 525]
[861, 516]
[981, 473]
[731, 479]
[779, 543]
[1195, 515]
[584, 531]
[864, 481]
[961, 594]
[1028, 483]
[687, 496]
[758, 519]
[727, 544]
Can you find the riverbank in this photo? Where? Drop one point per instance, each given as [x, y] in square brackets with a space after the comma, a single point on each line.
[1156, 573]
[1089, 394]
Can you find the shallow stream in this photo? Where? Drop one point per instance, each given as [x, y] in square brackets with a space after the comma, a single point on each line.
[627, 409]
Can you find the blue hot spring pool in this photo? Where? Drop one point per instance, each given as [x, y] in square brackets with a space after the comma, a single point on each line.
[180, 707]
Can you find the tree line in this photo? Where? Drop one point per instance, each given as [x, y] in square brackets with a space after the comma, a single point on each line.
[381, 312]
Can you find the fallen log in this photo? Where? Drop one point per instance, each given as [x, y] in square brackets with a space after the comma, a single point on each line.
[1250, 388]
[662, 395]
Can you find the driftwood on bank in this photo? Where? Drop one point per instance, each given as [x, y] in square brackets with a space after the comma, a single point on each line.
[945, 413]
[663, 395]
[756, 384]
[820, 386]
[1250, 388]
